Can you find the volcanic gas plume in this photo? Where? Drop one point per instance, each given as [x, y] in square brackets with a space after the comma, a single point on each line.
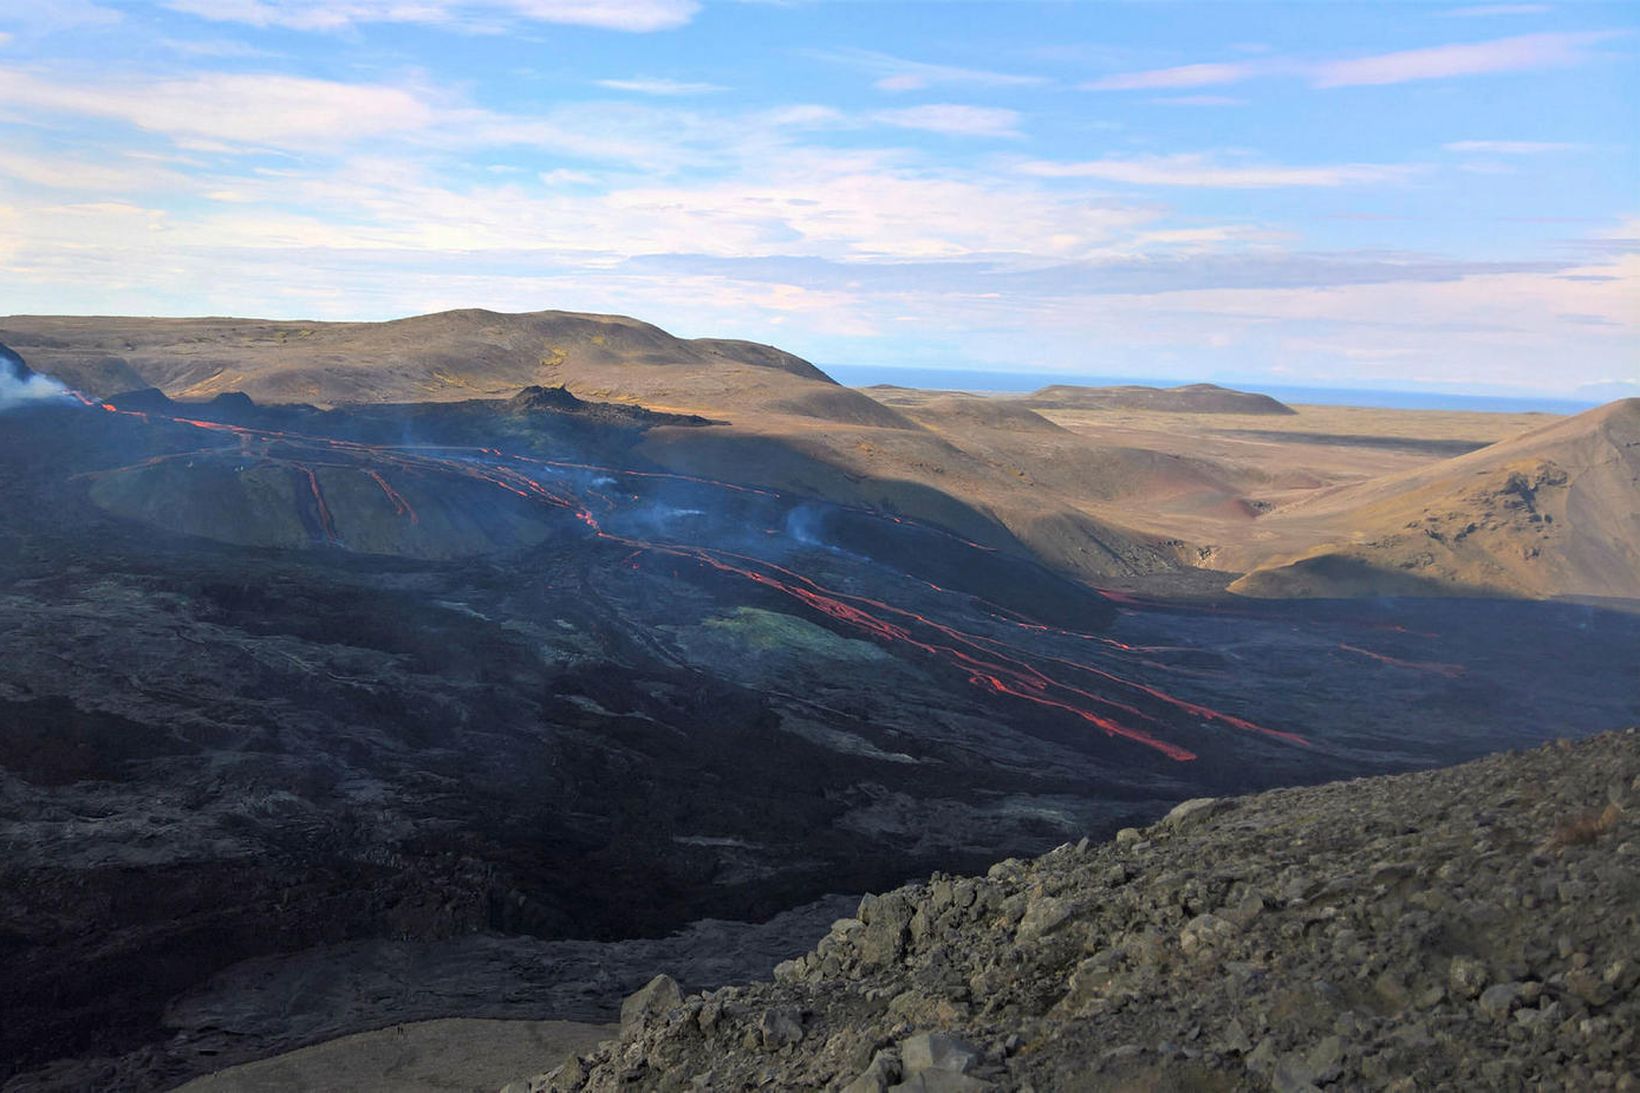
[19, 384]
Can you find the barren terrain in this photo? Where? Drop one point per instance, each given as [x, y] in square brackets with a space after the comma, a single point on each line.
[1112, 485]
[303, 707]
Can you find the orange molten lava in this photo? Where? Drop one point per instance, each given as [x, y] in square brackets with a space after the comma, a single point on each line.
[988, 663]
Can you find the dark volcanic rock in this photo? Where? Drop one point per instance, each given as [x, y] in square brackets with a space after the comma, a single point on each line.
[12, 364]
[148, 400]
[213, 753]
[1475, 927]
[559, 400]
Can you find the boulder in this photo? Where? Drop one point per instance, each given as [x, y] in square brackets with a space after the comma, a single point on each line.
[649, 1001]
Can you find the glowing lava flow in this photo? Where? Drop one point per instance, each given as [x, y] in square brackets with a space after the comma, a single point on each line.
[401, 507]
[327, 526]
[1450, 671]
[1001, 676]
[987, 662]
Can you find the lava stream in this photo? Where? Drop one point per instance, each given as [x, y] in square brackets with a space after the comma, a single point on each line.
[327, 526]
[1450, 671]
[986, 662]
[401, 507]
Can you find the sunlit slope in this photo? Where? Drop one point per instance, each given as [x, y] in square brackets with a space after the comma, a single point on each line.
[447, 356]
[1191, 398]
[1555, 512]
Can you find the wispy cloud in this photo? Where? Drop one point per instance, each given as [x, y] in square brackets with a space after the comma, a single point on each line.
[162, 168]
[1510, 147]
[899, 74]
[247, 112]
[660, 85]
[1200, 100]
[1182, 76]
[1203, 171]
[623, 15]
[1519, 53]
[954, 120]
[213, 47]
[55, 16]
[83, 176]
[233, 109]
[1481, 11]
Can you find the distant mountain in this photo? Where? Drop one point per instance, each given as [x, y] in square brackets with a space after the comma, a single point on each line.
[1555, 512]
[1193, 398]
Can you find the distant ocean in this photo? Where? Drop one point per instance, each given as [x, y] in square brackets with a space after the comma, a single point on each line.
[958, 379]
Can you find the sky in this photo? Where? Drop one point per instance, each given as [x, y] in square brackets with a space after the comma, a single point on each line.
[1389, 194]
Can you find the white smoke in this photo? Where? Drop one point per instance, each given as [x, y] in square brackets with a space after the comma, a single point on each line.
[19, 386]
[37, 388]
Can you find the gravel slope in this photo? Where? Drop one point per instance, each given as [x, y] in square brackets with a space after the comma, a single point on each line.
[1472, 927]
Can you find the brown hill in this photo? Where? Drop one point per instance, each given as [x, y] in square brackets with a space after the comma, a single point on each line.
[1098, 483]
[778, 420]
[1554, 512]
[448, 356]
[971, 411]
[1193, 398]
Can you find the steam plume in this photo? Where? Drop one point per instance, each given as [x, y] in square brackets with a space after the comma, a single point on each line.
[20, 384]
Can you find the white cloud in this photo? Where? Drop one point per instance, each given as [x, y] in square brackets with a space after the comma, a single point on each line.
[282, 111]
[1481, 11]
[392, 197]
[660, 85]
[899, 74]
[229, 112]
[1200, 100]
[1521, 53]
[1198, 170]
[623, 15]
[954, 120]
[55, 16]
[1183, 76]
[1205, 238]
[563, 176]
[853, 207]
[212, 47]
[1509, 147]
[62, 173]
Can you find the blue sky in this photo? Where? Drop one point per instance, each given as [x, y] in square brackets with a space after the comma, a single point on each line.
[1317, 193]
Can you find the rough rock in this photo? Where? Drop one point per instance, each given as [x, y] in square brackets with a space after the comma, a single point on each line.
[1456, 928]
[937, 1051]
[648, 1001]
[1195, 811]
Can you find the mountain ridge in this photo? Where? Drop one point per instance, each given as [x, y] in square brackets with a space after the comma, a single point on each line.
[1555, 511]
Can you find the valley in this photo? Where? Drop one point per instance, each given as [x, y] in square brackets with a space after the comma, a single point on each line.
[307, 707]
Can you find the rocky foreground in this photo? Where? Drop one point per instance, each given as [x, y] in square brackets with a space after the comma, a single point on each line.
[1473, 927]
